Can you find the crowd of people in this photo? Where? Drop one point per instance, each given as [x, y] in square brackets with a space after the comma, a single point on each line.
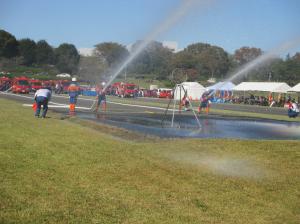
[279, 101]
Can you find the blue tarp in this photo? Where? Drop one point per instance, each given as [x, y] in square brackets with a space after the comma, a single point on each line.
[89, 93]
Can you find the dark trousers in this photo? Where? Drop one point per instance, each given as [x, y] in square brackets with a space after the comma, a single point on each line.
[292, 113]
[40, 100]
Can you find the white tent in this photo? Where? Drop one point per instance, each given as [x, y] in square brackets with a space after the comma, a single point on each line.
[194, 90]
[296, 88]
[223, 86]
[63, 75]
[275, 87]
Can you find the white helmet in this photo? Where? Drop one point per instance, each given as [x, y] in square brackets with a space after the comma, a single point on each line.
[74, 79]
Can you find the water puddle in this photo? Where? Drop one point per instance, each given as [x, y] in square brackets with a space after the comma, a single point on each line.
[186, 126]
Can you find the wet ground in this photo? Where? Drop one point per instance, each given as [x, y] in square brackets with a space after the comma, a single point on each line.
[210, 127]
[148, 120]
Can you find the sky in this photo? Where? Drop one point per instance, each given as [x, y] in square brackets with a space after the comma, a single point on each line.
[229, 24]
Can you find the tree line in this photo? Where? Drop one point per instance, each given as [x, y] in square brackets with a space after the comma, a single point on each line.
[27, 52]
[197, 62]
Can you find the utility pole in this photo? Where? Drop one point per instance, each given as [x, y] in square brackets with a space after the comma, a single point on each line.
[270, 75]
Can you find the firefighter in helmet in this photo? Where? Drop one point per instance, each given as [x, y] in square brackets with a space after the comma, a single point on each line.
[73, 94]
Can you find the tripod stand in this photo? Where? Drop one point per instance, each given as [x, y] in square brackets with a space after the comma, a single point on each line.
[179, 92]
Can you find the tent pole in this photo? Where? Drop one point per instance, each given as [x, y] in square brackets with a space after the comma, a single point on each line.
[174, 108]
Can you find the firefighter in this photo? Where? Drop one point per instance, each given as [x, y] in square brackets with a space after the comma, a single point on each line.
[204, 102]
[186, 103]
[101, 99]
[42, 97]
[73, 94]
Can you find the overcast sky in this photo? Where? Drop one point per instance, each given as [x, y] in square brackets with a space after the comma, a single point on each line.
[230, 24]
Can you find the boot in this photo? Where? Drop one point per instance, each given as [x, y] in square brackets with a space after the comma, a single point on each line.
[207, 110]
[104, 107]
[72, 107]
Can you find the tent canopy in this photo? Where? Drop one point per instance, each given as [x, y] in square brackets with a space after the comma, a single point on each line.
[296, 88]
[223, 86]
[194, 90]
[276, 87]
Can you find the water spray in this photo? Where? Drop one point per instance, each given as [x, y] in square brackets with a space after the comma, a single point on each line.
[170, 21]
[164, 26]
[259, 61]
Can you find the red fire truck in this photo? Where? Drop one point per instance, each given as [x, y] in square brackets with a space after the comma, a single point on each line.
[125, 89]
[165, 93]
[5, 83]
[20, 85]
[35, 84]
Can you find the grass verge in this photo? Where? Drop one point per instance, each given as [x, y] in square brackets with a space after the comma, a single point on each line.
[57, 171]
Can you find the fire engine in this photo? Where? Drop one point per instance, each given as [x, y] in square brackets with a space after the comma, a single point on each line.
[125, 89]
[165, 93]
[5, 83]
[35, 84]
[20, 85]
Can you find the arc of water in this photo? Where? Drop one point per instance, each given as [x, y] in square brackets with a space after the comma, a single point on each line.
[261, 60]
[165, 25]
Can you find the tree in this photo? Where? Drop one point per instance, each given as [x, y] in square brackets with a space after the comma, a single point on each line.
[112, 53]
[27, 49]
[44, 53]
[246, 54]
[291, 70]
[8, 45]
[67, 58]
[154, 59]
[296, 57]
[91, 68]
[207, 60]
[216, 60]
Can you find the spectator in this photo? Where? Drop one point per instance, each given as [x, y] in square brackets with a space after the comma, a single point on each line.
[293, 109]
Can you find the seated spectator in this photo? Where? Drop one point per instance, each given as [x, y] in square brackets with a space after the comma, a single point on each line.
[293, 110]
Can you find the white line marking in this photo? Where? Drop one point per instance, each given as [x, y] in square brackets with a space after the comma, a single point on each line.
[58, 106]
[122, 104]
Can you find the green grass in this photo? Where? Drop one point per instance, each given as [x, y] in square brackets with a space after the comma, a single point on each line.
[58, 171]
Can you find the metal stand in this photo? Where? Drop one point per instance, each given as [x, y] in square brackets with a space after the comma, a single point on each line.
[180, 88]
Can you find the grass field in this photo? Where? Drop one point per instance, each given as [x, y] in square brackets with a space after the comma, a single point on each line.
[61, 171]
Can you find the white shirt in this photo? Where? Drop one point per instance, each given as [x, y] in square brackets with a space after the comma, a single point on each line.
[43, 92]
[295, 107]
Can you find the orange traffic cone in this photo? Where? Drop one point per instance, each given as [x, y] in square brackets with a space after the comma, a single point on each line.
[34, 106]
[207, 109]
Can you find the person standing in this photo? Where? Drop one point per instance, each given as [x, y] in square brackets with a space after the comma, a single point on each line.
[186, 103]
[42, 97]
[73, 90]
[204, 102]
[101, 99]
